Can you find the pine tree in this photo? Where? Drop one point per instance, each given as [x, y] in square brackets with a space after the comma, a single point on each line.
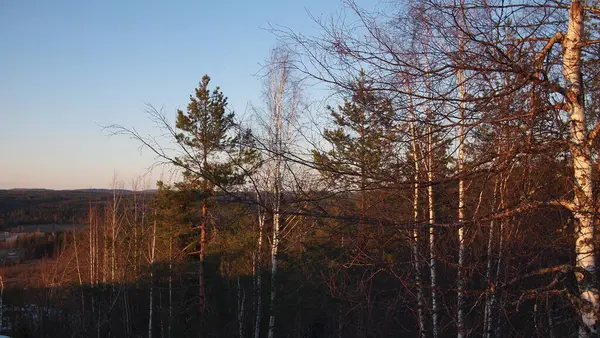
[361, 139]
[212, 159]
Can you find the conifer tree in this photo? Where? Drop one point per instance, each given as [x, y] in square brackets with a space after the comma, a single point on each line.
[361, 139]
[205, 134]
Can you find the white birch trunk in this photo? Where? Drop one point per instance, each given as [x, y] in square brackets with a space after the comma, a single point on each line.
[432, 254]
[461, 212]
[415, 230]
[275, 246]
[430, 199]
[283, 101]
[585, 248]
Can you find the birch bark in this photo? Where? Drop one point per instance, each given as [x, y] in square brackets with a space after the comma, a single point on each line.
[585, 244]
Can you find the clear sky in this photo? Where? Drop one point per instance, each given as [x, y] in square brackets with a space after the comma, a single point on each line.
[67, 67]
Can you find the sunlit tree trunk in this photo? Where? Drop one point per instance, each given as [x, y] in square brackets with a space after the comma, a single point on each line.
[431, 218]
[275, 241]
[282, 95]
[585, 247]
[432, 251]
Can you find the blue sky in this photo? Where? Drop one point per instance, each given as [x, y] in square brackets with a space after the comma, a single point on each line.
[68, 66]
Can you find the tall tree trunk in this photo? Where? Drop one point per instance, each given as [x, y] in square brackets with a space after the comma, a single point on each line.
[432, 231]
[136, 244]
[497, 327]
[489, 274]
[105, 250]
[461, 211]
[258, 272]
[585, 247]
[274, 248]
[277, 105]
[113, 228]
[415, 231]
[202, 292]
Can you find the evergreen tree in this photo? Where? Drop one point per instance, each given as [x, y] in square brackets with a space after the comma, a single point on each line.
[361, 140]
[213, 157]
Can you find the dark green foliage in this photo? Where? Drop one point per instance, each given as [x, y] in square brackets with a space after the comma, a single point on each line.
[214, 154]
[363, 137]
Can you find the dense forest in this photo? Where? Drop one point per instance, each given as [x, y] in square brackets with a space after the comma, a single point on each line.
[447, 187]
[42, 206]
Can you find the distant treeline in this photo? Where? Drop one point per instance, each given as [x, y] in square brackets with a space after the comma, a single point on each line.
[41, 206]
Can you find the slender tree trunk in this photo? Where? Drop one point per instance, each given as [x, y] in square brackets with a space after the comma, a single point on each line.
[432, 232]
[430, 199]
[105, 248]
[415, 231]
[489, 301]
[127, 310]
[96, 248]
[241, 295]
[113, 226]
[497, 328]
[585, 247]
[170, 280]
[151, 291]
[202, 294]
[258, 272]
[277, 105]
[461, 212]
[91, 244]
[136, 259]
[162, 319]
[78, 273]
[274, 248]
